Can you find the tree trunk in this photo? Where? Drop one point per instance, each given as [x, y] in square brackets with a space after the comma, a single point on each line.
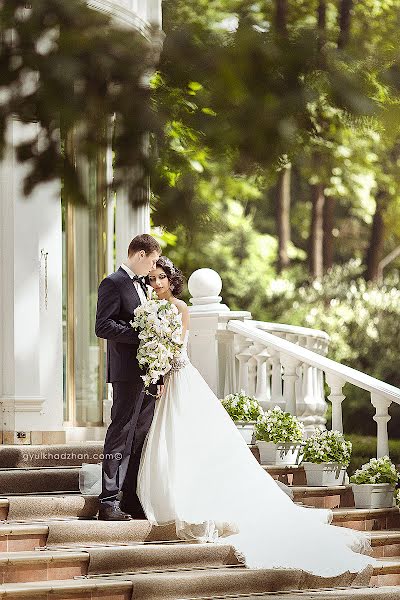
[329, 222]
[281, 10]
[283, 217]
[316, 233]
[375, 249]
[344, 22]
[321, 23]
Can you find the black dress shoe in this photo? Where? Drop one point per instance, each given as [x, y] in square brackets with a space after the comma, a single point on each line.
[112, 512]
[136, 514]
[134, 509]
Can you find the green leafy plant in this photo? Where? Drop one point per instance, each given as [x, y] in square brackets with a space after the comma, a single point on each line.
[377, 470]
[327, 446]
[241, 407]
[276, 426]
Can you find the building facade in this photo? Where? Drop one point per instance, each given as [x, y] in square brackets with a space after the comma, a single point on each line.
[53, 256]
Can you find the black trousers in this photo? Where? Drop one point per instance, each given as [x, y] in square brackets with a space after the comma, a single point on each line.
[131, 415]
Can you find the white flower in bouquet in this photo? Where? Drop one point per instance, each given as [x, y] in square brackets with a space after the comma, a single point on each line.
[160, 334]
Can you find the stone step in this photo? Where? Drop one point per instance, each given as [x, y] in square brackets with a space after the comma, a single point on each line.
[37, 480]
[71, 589]
[18, 538]
[25, 537]
[45, 565]
[367, 519]
[202, 583]
[324, 497]
[48, 506]
[213, 583]
[386, 543]
[290, 475]
[387, 573]
[22, 456]
[361, 593]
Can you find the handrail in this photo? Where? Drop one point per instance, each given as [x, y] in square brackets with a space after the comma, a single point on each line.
[313, 359]
[294, 329]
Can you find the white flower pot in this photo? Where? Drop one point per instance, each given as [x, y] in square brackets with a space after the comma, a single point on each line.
[324, 474]
[288, 453]
[267, 452]
[282, 453]
[373, 495]
[246, 428]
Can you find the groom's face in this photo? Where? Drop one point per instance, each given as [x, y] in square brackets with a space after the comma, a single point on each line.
[146, 262]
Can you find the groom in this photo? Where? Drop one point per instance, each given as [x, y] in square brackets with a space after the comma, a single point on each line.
[132, 410]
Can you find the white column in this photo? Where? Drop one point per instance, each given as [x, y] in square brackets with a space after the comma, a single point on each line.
[202, 348]
[129, 222]
[30, 302]
[212, 349]
[382, 417]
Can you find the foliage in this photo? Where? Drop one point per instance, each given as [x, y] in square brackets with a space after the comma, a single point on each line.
[241, 407]
[70, 69]
[278, 426]
[365, 446]
[363, 322]
[327, 446]
[377, 470]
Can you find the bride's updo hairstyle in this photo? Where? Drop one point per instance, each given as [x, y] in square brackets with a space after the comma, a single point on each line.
[175, 275]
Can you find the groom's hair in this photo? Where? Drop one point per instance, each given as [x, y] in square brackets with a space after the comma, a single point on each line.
[143, 242]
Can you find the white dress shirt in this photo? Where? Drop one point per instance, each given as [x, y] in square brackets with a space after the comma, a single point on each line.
[137, 285]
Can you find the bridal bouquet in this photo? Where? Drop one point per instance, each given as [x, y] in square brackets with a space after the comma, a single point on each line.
[160, 331]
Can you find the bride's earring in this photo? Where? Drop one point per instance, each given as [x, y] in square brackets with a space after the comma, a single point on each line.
[172, 287]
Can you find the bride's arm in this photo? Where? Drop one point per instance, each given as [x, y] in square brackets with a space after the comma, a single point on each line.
[184, 312]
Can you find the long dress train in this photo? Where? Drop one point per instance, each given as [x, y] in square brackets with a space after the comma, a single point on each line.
[197, 471]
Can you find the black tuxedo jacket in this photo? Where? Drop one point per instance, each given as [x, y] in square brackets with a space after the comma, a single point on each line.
[116, 303]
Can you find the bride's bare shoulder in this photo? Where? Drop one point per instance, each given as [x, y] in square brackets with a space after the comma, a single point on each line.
[181, 305]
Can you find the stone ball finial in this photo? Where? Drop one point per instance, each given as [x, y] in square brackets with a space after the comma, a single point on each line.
[204, 282]
[205, 285]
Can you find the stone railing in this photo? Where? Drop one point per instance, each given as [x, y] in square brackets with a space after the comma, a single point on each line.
[261, 370]
[279, 364]
[292, 357]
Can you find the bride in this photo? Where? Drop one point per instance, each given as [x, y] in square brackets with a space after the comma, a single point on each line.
[197, 471]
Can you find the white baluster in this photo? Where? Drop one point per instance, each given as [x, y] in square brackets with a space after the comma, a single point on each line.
[382, 417]
[243, 357]
[290, 365]
[336, 397]
[263, 390]
[276, 380]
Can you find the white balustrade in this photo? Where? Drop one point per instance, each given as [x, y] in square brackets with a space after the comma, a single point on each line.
[296, 359]
[280, 364]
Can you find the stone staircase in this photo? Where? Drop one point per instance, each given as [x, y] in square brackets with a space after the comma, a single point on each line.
[53, 547]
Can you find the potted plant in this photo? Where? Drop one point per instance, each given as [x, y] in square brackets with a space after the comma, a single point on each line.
[278, 437]
[374, 484]
[244, 411]
[326, 455]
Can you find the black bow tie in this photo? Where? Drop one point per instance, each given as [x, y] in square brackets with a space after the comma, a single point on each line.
[141, 282]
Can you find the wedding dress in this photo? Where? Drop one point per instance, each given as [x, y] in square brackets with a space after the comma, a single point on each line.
[197, 471]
